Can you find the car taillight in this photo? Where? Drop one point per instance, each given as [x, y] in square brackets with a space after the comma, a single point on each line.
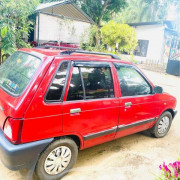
[13, 129]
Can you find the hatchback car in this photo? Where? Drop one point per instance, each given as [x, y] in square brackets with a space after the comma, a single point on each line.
[54, 103]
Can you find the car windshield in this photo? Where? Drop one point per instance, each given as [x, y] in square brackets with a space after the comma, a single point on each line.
[17, 71]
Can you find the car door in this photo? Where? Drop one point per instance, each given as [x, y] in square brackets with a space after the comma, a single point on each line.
[137, 110]
[90, 107]
[43, 118]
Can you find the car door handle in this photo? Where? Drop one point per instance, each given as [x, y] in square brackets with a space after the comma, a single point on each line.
[128, 104]
[73, 111]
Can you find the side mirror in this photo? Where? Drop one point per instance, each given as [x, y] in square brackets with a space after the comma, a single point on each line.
[158, 90]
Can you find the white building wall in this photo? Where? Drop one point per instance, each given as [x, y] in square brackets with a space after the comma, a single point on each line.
[58, 29]
[155, 35]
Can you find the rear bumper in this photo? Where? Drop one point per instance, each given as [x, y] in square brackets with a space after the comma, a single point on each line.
[21, 156]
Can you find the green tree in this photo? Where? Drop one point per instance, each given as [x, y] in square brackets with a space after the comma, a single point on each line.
[144, 11]
[120, 36]
[47, 1]
[101, 10]
[98, 10]
[14, 23]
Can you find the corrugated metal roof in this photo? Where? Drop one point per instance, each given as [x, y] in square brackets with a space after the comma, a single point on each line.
[168, 23]
[47, 5]
[65, 8]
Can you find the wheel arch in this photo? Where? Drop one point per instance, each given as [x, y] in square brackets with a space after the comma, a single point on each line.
[171, 111]
[78, 140]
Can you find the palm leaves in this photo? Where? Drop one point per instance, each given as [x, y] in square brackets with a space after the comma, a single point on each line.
[144, 11]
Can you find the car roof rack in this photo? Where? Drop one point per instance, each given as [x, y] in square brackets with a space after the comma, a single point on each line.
[55, 47]
[70, 51]
[89, 52]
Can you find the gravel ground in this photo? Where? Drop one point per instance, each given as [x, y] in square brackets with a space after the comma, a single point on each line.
[134, 157]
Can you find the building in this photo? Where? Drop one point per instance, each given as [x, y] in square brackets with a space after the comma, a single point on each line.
[157, 41]
[61, 21]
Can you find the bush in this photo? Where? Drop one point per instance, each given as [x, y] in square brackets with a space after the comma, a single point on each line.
[120, 37]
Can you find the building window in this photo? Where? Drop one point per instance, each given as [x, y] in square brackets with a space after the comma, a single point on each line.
[142, 48]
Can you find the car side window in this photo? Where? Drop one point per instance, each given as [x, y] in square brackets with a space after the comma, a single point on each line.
[75, 88]
[57, 86]
[98, 82]
[132, 82]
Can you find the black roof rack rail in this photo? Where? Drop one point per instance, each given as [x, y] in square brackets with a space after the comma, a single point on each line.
[55, 47]
[89, 52]
[70, 51]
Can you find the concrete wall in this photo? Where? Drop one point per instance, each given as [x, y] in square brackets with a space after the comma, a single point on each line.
[58, 29]
[155, 35]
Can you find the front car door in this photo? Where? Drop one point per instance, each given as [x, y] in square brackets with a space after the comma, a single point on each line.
[137, 110]
[90, 105]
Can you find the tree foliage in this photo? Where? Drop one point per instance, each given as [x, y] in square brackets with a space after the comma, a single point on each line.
[145, 11]
[98, 10]
[123, 35]
[127, 11]
[14, 23]
[47, 1]
[94, 40]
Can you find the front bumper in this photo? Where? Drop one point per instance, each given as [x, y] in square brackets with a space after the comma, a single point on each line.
[175, 112]
[21, 156]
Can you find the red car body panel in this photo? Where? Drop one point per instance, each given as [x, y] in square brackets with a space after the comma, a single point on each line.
[44, 120]
[62, 44]
[16, 106]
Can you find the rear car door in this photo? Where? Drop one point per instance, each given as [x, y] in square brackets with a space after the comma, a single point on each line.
[90, 107]
[137, 110]
[44, 115]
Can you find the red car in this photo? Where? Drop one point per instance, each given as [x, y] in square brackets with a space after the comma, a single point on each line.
[54, 103]
[51, 43]
[61, 44]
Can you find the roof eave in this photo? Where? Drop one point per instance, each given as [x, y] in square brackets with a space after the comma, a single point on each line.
[60, 3]
[67, 2]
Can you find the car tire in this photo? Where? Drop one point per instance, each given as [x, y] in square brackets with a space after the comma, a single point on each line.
[62, 155]
[162, 126]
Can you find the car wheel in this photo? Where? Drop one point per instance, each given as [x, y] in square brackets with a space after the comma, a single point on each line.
[56, 161]
[162, 126]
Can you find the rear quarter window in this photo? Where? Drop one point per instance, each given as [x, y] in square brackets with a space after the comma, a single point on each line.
[17, 71]
[57, 86]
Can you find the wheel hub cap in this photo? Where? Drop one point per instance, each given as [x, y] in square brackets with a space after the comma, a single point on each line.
[57, 160]
[163, 125]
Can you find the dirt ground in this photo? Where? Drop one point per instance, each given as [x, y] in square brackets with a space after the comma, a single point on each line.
[135, 157]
